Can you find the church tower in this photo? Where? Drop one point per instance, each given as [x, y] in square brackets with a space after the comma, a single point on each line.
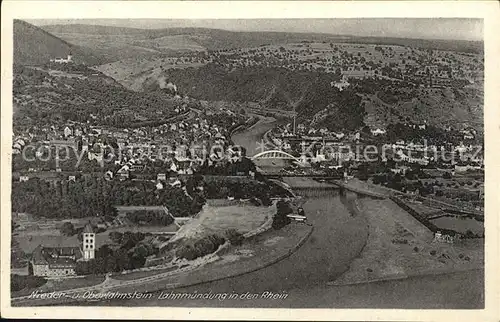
[88, 246]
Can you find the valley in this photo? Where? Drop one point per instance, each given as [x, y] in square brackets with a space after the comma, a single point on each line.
[198, 159]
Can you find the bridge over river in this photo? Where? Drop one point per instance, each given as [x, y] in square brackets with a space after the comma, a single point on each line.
[338, 238]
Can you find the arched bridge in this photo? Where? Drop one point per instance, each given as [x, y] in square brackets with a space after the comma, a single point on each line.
[274, 154]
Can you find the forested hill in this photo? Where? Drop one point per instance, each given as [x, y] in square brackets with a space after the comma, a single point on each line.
[308, 92]
[35, 46]
[375, 103]
[276, 86]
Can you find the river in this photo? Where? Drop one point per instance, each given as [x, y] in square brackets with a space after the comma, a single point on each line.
[336, 239]
[251, 138]
[339, 236]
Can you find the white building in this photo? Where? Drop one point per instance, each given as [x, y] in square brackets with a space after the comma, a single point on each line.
[343, 84]
[59, 60]
[378, 132]
[67, 131]
[88, 246]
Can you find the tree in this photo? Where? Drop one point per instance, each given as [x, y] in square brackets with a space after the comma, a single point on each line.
[283, 207]
[115, 236]
[84, 267]
[201, 247]
[67, 229]
[410, 175]
[281, 219]
[446, 175]
[137, 261]
[187, 251]
[469, 234]
[234, 237]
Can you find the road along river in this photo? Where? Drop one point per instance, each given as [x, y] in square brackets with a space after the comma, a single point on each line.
[299, 281]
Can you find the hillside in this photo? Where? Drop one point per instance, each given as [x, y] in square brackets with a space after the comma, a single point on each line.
[277, 88]
[302, 75]
[436, 106]
[211, 39]
[380, 103]
[117, 43]
[135, 74]
[60, 92]
[35, 46]
[296, 70]
[272, 87]
[214, 39]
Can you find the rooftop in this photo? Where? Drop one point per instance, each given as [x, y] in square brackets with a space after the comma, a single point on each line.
[88, 228]
[58, 256]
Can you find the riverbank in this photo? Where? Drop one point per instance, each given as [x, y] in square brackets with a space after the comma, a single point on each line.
[328, 254]
[338, 237]
[398, 246]
[255, 253]
[339, 240]
[364, 188]
[262, 247]
[378, 191]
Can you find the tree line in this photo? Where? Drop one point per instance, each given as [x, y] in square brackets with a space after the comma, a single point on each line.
[96, 197]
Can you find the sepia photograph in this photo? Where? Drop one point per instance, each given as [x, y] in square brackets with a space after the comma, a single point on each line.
[277, 163]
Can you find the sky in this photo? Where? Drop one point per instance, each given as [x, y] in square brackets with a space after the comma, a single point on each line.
[426, 28]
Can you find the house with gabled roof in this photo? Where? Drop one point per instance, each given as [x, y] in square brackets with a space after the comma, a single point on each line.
[60, 261]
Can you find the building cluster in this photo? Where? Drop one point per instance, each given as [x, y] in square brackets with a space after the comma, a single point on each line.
[62, 261]
[180, 147]
[341, 147]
